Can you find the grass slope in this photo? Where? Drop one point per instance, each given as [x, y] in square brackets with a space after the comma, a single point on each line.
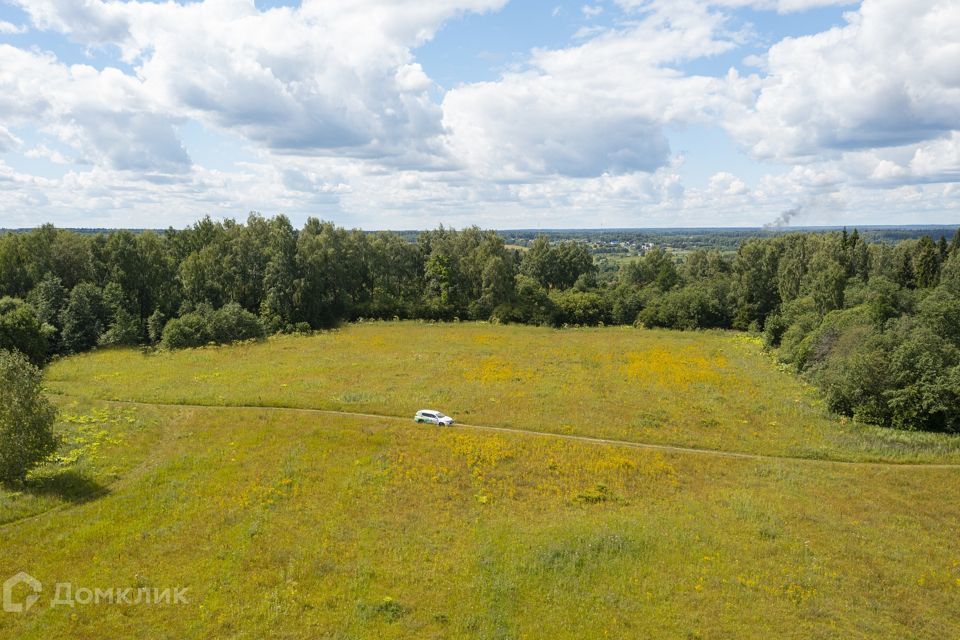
[715, 390]
[286, 524]
[289, 525]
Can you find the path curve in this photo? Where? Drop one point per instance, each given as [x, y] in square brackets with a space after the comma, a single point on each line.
[668, 448]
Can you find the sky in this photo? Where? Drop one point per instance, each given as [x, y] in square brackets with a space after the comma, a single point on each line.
[407, 114]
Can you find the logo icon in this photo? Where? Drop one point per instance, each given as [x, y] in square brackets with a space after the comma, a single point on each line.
[9, 605]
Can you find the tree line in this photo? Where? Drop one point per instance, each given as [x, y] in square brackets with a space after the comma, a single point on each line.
[875, 325]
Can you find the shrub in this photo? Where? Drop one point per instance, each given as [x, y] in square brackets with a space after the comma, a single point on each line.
[123, 331]
[836, 336]
[532, 306]
[577, 307]
[773, 330]
[856, 382]
[624, 303]
[940, 311]
[232, 322]
[189, 330]
[907, 377]
[155, 324]
[227, 324]
[26, 418]
[697, 306]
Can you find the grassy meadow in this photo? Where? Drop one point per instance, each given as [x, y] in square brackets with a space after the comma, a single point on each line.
[289, 524]
[712, 390]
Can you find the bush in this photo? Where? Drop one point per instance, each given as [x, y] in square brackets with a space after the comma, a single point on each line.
[773, 330]
[856, 383]
[155, 324]
[624, 303]
[123, 331]
[227, 324]
[532, 306]
[907, 377]
[940, 311]
[189, 330]
[697, 306]
[838, 334]
[26, 418]
[21, 330]
[232, 322]
[577, 307]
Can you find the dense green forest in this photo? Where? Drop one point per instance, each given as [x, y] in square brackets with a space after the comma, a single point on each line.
[876, 325]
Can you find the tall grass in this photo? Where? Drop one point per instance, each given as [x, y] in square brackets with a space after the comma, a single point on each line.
[714, 390]
[292, 525]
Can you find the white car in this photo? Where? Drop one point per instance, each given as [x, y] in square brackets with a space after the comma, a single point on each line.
[430, 416]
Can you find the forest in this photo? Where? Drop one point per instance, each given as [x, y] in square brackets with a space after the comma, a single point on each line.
[874, 325]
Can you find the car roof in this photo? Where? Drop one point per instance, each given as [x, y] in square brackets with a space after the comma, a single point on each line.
[428, 411]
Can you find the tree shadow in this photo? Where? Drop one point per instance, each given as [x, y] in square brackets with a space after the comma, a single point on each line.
[68, 485]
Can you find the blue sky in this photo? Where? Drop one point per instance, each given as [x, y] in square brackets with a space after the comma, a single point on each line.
[506, 114]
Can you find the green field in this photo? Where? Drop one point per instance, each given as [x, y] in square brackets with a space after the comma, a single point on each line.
[286, 523]
[713, 390]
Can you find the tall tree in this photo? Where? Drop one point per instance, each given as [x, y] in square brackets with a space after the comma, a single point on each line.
[280, 274]
[26, 418]
[21, 330]
[926, 263]
[84, 318]
[755, 292]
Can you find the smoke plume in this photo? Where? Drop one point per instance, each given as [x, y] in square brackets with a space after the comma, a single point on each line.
[783, 220]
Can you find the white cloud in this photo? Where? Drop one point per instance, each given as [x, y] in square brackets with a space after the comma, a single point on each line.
[344, 121]
[324, 77]
[8, 141]
[102, 114]
[780, 6]
[724, 183]
[591, 10]
[875, 103]
[590, 109]
[783, 6]
[7, 28]
[887, 78]
[45, 152]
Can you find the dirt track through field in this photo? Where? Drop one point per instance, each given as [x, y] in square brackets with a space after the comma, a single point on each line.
[564, 436]
[666, 448]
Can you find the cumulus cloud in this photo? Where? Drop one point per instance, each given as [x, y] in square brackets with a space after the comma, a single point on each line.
[102, 114]
[8, 141]
[342, 118]
[7, 28]
[592, 109]
[780, 6]
[43, 151]
[725, 183]
[784, 6]
[335, 77]
[887, 78]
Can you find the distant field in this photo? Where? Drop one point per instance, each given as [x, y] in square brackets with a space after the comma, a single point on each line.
[290, 524]
[714, 390]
